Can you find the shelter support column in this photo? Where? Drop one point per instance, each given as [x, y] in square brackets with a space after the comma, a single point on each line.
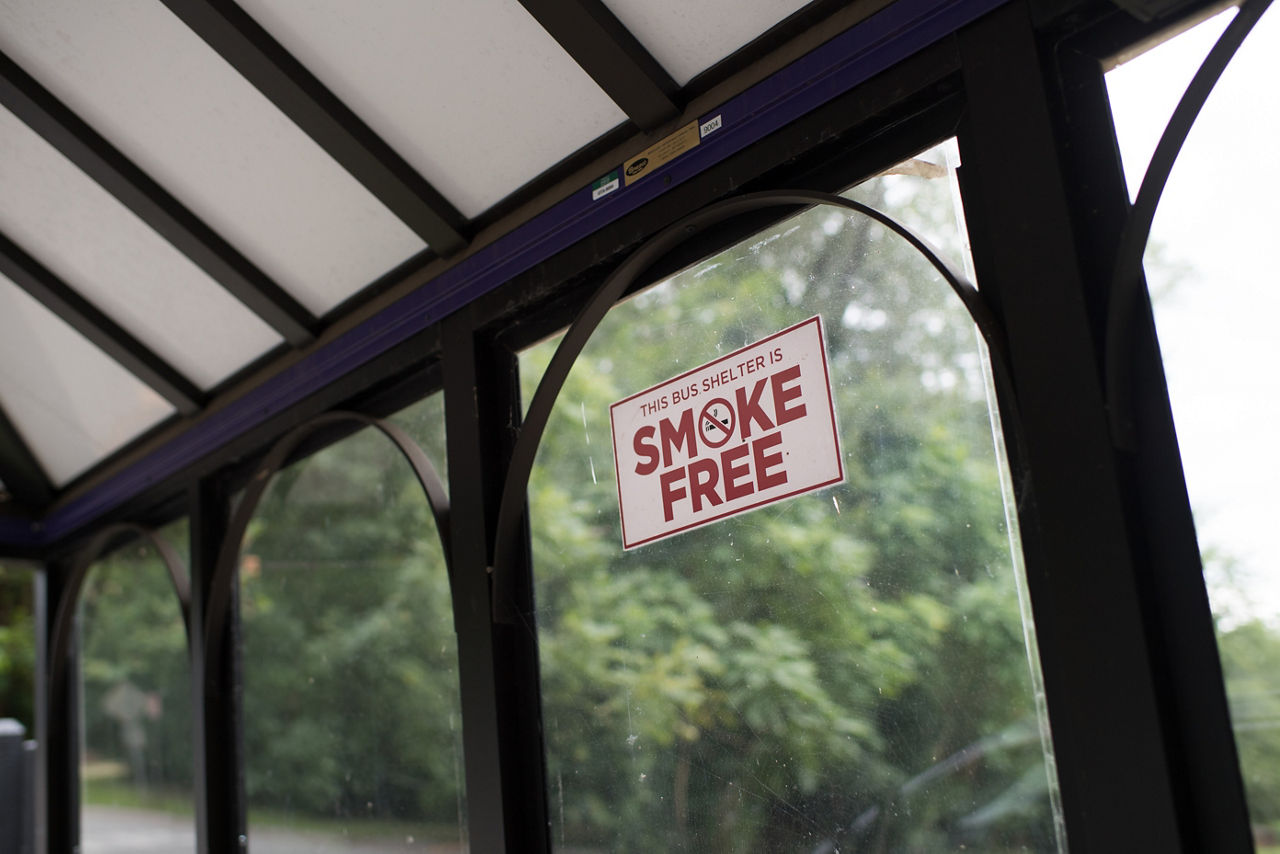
[1208, 787]
[1089, 580]
[497, 663]
[215, 709]
[58, 732]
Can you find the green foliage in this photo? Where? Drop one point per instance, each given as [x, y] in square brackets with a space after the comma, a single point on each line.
[17, 647]
[1249, 649]
[350, 663]
[136, 694]
[1251, 666]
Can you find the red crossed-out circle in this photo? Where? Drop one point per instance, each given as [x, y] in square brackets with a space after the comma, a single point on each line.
[716, 423]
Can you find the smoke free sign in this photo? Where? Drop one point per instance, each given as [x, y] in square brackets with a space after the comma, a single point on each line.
[751, 428]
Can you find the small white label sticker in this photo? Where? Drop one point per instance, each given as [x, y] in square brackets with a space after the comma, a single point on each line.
[710, 126]
[604, 186]
[746, 430]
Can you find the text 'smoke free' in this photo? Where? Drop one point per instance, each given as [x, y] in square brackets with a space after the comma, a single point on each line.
[745, 430]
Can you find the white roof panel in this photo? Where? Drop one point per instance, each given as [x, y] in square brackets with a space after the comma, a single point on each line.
[157, 92]
[78, 231]
[71, 404]
[476, 96]
[689, 38]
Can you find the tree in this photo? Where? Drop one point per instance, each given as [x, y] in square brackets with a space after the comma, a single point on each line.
[350, 664]
[1250, 663]
[1249, 647]
[134, 676]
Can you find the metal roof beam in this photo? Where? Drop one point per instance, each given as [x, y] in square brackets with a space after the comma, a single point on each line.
[102, 162]
[614, 58]
[261, 60]
[81, 315]
[23, 477]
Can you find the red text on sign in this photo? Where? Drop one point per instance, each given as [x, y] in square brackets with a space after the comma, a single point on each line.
[654, 444]
[736, 473]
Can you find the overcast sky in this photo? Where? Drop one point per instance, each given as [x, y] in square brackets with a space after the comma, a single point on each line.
[1220, 217]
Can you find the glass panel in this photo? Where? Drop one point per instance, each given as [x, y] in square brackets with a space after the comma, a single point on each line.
[71, 403]
[135, 694]
[844, 670]
[1211, 271]
[1144, 92]
[352, 721]
[398, 65]
[17, 645]
[688, 38]
[162, 96]
[80, 233]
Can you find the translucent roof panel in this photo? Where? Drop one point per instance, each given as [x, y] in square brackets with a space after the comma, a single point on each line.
[689, 38]
[83, 235]
[156, 91]
[476, 96]
[71, 404]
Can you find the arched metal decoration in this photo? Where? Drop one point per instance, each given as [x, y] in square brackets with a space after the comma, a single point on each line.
[65, 616]
[228, 561]
[511, 509]
[1126, 276]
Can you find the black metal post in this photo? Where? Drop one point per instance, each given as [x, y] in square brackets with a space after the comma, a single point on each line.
[497, 664]
[215, 709]
[60, 736]
[1208, 784]
[40, 763]
[1083, 573]
[27, 803]
[12, 784]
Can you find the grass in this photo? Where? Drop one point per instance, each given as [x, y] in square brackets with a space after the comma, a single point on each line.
[351, 827]
[106, 790]
[103, 791]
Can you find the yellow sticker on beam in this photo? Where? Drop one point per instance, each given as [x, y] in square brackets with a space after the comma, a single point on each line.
[661, 152]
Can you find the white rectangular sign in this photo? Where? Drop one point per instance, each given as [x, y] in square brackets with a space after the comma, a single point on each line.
[746, 430]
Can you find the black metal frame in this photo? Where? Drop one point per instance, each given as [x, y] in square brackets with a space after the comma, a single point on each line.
[1207, 787]
[1127, 283]
[1144, 751]
[1079, 556]
[20, 472]
[59, 690]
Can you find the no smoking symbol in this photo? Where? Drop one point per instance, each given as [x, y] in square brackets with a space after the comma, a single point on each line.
[717, 422]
